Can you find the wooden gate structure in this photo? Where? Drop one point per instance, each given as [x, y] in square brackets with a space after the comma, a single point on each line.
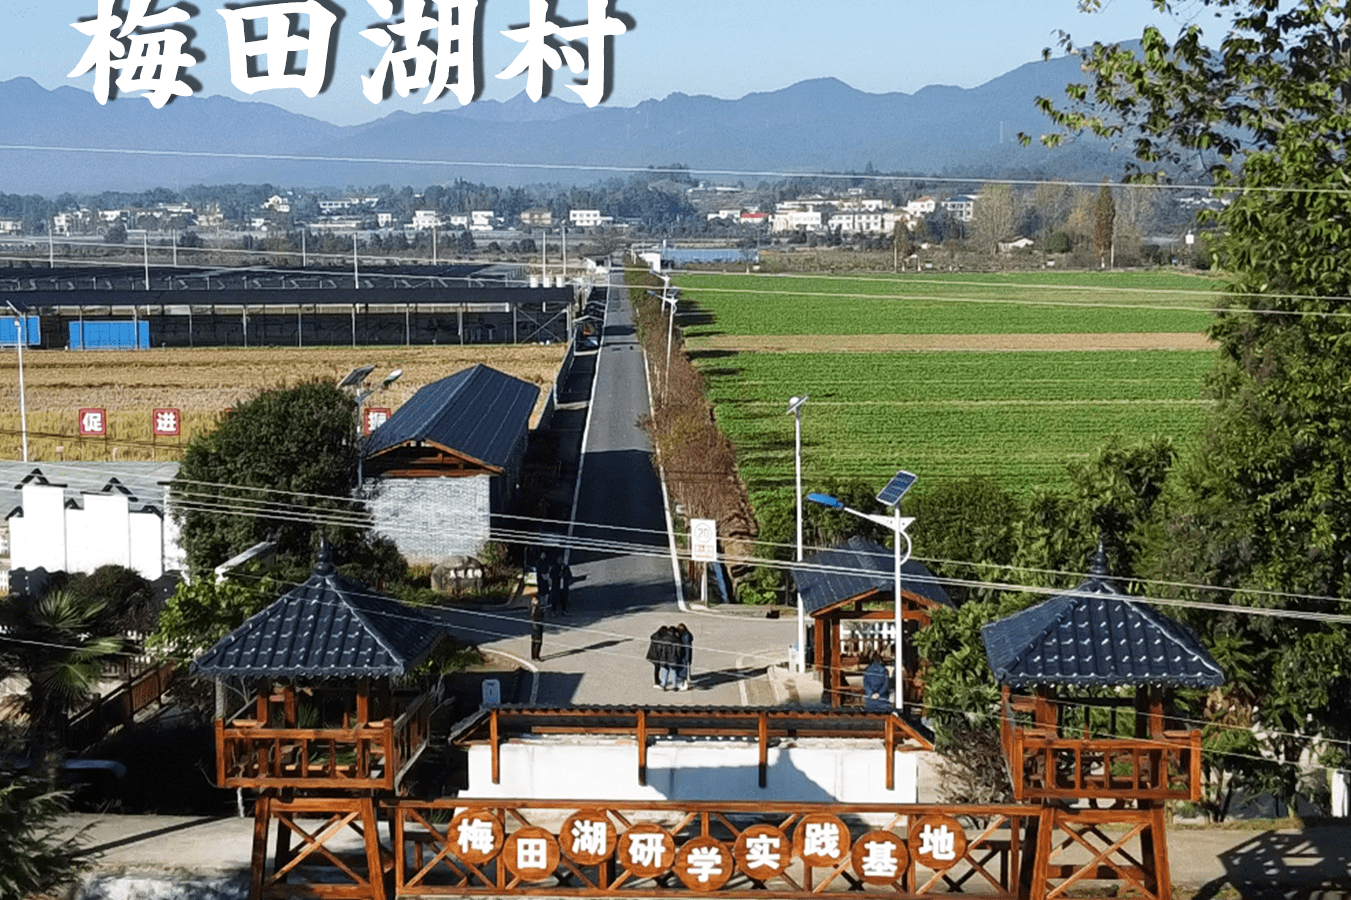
[1089, 805]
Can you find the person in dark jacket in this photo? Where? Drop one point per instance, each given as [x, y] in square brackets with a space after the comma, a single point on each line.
[669, 650]
[536, 626]
[561, 578]
[542, 577]
[656, 647]
[876, 685]
[685, 655]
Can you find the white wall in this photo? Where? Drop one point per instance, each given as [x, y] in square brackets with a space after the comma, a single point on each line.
[433, 519]
[99, 534]
[607, 769]
[37, 539]
[102, 530]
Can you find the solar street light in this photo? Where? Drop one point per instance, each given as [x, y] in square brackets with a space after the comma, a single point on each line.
[889, 496]
[795, 410]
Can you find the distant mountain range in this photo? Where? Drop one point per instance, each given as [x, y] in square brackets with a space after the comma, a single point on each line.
[813, 126]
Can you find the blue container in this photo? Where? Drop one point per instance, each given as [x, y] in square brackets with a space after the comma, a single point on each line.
[109, 335]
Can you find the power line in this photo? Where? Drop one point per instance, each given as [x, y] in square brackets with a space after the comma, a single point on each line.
[647, 170]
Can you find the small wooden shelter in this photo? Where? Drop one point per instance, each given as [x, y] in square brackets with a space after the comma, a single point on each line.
[1063, 749]
[849, 592]
[328, 734]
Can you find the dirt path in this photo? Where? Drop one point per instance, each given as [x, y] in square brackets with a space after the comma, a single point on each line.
[875, 343]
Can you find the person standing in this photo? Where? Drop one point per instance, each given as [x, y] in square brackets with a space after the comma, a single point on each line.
[563, 581]
[685, 655]
[536, 626]
[655, 647]
[542, 577]
[670, 658]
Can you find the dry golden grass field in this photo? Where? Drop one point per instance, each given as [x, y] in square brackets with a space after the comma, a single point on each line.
[203, 383]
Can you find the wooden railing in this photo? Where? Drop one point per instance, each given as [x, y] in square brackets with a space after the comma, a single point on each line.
[1045, 765]
[371, 756]
[118, 708]
[763, 725]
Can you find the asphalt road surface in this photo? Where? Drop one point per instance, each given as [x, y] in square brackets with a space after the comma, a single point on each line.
[625, 586]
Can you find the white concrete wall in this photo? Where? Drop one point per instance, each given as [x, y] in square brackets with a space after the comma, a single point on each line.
[104, 532]
[99, 534]
[599, 769]
[37, 539]
[146, 553]
[433, 519]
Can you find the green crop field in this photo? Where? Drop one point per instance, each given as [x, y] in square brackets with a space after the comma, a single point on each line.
[1018, 417]
[960, 303]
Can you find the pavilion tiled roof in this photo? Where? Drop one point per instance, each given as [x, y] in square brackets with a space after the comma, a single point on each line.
[330, 627]
[1095, 635]
[858, 567]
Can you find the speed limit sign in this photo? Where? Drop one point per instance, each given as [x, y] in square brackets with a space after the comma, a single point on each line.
[703, 540]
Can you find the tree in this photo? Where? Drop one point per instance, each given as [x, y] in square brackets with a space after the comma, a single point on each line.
[116, 234]
[34, 856]
[994, 217]
[1104, 226]
[202, 612]
[266, 471]
[57, 644]
[128, 599]
[1262, 513]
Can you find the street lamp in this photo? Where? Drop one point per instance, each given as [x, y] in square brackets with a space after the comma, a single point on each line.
[889, 496]
[21, 336]
[668, 297]
[795, 410]
[355, 379]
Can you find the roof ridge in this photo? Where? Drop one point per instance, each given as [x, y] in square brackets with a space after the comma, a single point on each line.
[365, 593]
[1169, 627]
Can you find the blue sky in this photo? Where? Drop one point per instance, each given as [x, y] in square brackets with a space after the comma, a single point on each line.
[725, 48]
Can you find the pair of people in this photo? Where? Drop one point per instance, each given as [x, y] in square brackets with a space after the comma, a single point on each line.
[671, 650]
[553, 578]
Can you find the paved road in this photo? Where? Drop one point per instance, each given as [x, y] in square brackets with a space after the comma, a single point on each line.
[626, 587]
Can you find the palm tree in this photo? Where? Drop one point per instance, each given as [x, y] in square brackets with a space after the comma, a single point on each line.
[55, 642]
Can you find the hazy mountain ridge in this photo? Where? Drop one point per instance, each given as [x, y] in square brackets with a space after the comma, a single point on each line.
[816, 125]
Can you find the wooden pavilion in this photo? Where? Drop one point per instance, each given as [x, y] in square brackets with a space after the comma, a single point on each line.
[849, 592]
[1065, 752]
[329, 733]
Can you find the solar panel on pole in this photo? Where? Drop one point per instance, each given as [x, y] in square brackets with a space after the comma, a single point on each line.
[896, 488]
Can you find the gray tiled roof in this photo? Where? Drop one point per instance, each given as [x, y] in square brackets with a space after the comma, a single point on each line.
[858, 567]
[478, 412]
[1095, 635]
[329, 627]
[145, 482]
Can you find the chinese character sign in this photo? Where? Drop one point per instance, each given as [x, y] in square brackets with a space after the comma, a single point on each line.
[647, 850]
[93, 423]
[588, 837]
[375, 417]
[165, 423]
[262, 62]
[880, 857]
[147, 53]
[937, 842]
[762, 851]
[822, 839]
[476, 836]
[531, 854]
[287, 45]
[703, 864]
